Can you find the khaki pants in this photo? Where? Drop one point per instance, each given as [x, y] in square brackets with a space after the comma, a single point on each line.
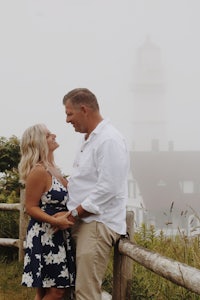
[94, 242]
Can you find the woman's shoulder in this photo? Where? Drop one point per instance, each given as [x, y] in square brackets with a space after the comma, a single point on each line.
[39, 170]
[38, 179]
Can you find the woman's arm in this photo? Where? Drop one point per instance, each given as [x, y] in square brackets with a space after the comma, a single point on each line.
[39, 181]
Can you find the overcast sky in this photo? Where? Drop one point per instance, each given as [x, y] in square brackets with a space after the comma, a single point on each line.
[51, 46]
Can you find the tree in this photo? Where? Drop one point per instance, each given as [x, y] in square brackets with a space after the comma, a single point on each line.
[9, 153]
[9, 160]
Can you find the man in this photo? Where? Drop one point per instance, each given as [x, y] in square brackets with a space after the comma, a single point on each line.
[97, 191]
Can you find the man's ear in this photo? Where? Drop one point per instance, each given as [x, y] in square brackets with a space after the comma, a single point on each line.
[84, 108]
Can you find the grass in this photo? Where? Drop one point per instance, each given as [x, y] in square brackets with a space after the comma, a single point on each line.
[10, 282]
[145, 284]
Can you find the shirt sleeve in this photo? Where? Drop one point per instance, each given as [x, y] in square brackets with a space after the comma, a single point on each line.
[112, 161]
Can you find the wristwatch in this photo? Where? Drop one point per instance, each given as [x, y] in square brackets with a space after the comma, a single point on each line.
[74, 213]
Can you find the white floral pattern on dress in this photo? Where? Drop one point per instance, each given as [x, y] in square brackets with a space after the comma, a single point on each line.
[49, 257]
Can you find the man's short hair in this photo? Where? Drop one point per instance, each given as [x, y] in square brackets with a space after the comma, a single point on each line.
[80, 96]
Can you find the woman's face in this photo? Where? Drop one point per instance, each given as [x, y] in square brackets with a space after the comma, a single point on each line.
[51, 141]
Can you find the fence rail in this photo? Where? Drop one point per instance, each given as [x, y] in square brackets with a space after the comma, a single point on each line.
[5, 206]
[9, 242]
[124, 254]
[176, 272]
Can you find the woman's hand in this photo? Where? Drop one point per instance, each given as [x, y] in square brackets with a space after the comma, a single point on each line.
[59, 214]
[62, 221]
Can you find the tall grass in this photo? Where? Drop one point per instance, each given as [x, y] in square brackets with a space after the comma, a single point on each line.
[145, 284]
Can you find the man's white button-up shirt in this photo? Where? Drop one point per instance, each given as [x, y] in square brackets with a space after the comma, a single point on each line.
[99, 178]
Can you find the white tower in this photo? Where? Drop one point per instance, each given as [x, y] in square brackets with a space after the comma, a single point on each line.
[149, 119]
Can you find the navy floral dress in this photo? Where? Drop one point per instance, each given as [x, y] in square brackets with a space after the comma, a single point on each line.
[49, 257]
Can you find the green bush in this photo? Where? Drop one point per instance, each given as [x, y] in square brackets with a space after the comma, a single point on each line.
[9, 228]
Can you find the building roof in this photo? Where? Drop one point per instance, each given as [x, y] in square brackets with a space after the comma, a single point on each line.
[168, 179]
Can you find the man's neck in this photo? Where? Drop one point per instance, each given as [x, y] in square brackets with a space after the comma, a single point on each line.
[94, 125]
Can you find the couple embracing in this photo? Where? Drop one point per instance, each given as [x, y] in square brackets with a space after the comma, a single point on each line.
[74, 222]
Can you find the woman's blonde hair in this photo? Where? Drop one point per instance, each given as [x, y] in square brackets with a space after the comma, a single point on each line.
[34, 149]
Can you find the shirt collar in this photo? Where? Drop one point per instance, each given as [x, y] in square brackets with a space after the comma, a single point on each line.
[99, 127]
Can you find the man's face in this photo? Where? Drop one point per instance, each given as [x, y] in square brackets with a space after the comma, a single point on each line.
[75, 116]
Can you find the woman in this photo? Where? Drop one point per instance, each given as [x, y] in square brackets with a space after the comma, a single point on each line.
[49, 263]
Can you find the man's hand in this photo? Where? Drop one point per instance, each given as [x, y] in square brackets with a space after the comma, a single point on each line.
[71, 218]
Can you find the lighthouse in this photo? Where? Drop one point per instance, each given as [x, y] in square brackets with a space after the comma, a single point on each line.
[149, 111]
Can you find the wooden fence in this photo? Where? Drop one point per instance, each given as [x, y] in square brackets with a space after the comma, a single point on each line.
[124, 253]
[23, 221]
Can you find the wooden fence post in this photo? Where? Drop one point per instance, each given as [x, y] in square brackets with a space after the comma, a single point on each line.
[123, 267]
[23, 221]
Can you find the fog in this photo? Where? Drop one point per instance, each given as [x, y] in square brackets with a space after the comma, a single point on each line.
[51, 46]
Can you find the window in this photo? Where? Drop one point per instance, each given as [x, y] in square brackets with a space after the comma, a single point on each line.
[187, 186]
